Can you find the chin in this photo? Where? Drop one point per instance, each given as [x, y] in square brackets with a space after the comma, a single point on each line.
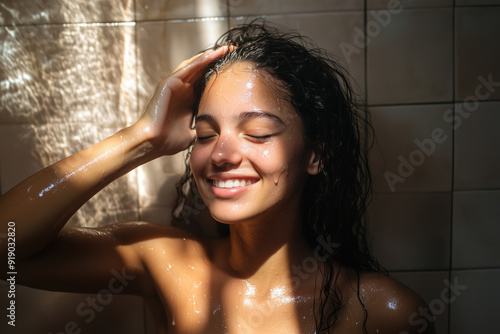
[238, 213]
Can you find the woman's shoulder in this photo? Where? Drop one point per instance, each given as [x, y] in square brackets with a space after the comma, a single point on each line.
[152, 239]
[392, 306]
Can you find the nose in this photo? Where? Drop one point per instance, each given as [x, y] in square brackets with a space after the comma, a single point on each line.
[226, 152]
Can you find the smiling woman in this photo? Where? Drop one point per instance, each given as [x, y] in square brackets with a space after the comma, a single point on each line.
[246, 132]
[276, 156]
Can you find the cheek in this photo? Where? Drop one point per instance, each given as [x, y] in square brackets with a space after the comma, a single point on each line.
[272, 159]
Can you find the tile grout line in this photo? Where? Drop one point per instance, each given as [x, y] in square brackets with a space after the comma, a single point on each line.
[454, 88]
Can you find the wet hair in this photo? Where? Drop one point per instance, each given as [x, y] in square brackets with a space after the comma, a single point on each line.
[334, 201]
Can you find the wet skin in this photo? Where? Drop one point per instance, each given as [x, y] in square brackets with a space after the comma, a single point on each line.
[245, 283]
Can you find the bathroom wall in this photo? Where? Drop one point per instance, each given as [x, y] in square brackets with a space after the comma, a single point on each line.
[74, 72]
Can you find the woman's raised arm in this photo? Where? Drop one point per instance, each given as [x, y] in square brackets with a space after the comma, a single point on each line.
[41, 205]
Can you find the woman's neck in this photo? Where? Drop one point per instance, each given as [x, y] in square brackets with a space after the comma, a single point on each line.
[261, 249]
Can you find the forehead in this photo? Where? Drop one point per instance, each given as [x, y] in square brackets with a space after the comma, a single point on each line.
[242, 68]
[244, 85]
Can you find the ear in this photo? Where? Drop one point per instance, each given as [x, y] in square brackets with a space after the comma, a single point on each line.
[313, 166]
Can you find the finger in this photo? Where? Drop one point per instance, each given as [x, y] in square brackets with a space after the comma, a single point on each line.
[195, 64]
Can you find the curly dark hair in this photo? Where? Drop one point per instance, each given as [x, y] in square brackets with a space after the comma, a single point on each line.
[335, 199]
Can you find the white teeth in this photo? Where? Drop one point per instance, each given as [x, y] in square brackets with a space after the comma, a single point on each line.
[231, 183]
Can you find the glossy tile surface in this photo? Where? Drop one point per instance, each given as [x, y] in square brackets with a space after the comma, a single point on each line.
[477, 143]
[412, 149]
[476, 229]
[156, 215]
[162, 46]
[409, 57]
[65, 11]
[477, 301]
[179, 9]
[68, 74]
[477, 52]
[157, 181]
[476, 2]
[393, 4]
[258, 7]
[411, 231]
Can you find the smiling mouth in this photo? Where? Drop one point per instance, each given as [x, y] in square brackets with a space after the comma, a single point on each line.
[231, 183]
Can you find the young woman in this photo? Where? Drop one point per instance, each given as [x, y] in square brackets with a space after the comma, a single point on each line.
[276, 155]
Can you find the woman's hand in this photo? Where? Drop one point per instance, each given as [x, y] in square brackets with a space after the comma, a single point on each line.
[43, 203]
[166, 121]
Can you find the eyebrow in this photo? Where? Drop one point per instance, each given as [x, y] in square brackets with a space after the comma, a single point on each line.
[246, 115]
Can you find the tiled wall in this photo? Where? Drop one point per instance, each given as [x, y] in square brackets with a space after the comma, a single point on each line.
[73, 72]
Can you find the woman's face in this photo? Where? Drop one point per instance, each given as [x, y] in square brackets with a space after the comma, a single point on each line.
[249, 158]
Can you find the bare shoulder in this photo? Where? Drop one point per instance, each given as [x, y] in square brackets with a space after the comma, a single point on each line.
[150, 241]
[136, 232]
[392, 306]
[143, 236]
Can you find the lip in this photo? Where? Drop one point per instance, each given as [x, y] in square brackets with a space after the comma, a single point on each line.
[227, 193]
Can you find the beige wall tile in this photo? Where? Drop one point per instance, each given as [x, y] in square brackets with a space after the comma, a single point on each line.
[476, 229]
[474, 309]
[412, 149]
[477, 143]
[258, 7]
[157, 181]
[385, 4]
[68, 74]
[476, 2]
[179, 9]
[162, 46]
[65, 11]
[409, 57]
[161, 215]
[411, 231]
[477, 50]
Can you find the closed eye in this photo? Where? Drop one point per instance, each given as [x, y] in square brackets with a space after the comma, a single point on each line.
[203, 138]
[260, 138]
